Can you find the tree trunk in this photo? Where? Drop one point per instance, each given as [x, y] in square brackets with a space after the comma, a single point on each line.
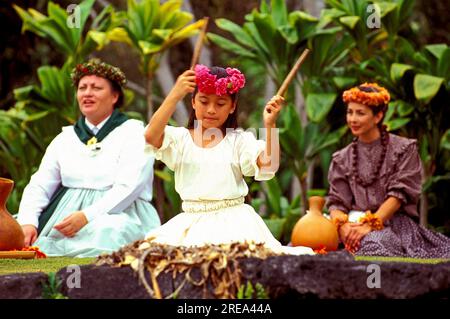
[205, 54]
[313, 7]
[295, 188]
[167, 81]
[310, 174]
[149, 93]
[303, 193]
[300, 104]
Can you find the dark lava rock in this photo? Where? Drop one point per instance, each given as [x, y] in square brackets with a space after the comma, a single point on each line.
[331, 276]
[22, 286]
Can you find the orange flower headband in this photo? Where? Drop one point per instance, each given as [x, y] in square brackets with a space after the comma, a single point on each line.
[370, 94]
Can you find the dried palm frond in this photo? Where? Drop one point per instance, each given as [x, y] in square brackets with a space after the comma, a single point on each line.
[218, 264]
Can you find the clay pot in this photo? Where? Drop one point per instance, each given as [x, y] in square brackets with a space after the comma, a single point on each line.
[11, 234]
[314, 230]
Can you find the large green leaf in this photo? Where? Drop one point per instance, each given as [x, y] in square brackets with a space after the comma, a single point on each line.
[267, 31]
[436, 49]
[443, 66]
[185, 33]
[403, 108]
[261, 46]
[350, 21]
[426, 86]
[275, 226]
[273, 196]
[292, 133]
[279, 12]
[149, 47]
[398, 70]
[318, 105]
[239, 34]
[230, 46]
[176, 20]
[167, 16]
[49, 78]
[58, 19]
[343, 82]
[386, 8]
[397, 123]
[304, 24]
[289, 33]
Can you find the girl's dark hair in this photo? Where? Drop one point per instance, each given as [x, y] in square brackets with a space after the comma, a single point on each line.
[377, 108]
[231, 121]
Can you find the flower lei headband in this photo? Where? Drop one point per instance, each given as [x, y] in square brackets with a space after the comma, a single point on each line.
[209, 84]
[102, 69]
[367, 98]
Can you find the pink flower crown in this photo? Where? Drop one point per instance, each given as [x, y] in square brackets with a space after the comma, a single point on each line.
[208, 83]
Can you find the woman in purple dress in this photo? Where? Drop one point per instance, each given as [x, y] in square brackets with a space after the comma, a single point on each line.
[375, 184]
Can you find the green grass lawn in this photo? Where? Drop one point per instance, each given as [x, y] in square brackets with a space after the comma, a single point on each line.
[47, 265]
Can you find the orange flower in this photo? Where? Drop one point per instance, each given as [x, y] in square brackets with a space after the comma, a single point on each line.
[339, 221]
[322, 250]
[367, 98]
[372, 220]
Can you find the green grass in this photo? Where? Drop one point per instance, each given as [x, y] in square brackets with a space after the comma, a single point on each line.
[402, 259]
[47, 265]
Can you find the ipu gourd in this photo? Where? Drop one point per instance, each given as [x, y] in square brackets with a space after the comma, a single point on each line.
[11, 234]
[314, 230]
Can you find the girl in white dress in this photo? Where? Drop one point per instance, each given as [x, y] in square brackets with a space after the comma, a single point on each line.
[210, 159]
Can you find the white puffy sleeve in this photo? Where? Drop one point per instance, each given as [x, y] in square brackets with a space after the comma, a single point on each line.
[43, 184]
[249, 149]
[170, 151]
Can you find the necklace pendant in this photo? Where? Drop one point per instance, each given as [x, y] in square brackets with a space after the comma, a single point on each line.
[93, 146]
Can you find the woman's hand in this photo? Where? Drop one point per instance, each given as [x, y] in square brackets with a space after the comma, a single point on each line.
[30, 233]
[272, 110]
[355, 235]
[344, 231]
[72, 224]
[185, 84]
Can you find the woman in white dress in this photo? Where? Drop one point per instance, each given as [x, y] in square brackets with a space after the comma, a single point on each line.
[210, 159]
[92, 191]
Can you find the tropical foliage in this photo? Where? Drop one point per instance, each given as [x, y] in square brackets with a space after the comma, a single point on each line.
[352, 41]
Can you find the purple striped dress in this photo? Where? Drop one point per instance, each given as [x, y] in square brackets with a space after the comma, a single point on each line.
[400, 177]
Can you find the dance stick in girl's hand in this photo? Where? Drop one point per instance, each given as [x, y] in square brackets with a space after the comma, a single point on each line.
[292, 73]
[199, 44]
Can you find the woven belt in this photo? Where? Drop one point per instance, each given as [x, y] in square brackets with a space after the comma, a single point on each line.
[199, 206]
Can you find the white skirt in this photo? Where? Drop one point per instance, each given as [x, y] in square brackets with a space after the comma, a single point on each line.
[219, 222]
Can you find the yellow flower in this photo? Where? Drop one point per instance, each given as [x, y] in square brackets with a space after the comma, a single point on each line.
[92, 141]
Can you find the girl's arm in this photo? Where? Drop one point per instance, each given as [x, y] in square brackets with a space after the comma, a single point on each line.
[269, 160]
[154, 133]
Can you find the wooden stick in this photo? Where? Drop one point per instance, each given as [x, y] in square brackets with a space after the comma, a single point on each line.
[199, 44]
[282, 90]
